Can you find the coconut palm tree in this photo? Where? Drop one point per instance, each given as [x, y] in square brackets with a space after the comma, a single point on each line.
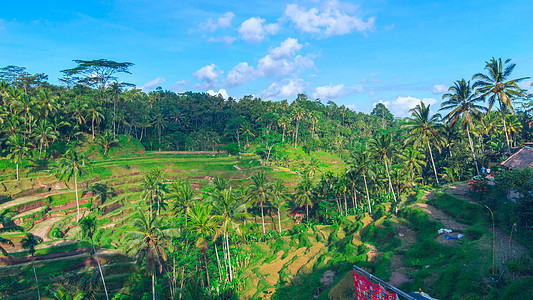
[462, 101]
[304, 194]
[182, 197]
[413, 160]
[202, 222]
[17, 150]
[45, 132]
[102, 191]
[496, 86]
[425, 129]
[259, 193]
[71, 165]
[29, 242]
[361, 164]
[152, 187]
[279, 195]
[88, 228]
[382, 148]
[107, 141]
[147, 242]
[96, 116]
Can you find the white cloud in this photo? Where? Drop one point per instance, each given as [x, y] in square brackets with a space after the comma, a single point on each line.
[254, 30]
[401, 106]
[211, 25]
[221, 92]
[279, 62]
[285, 89]
[334, 92]
[226, 40]
[240, 74]
[208, 76]
[526, 85]
[287, 49]
[150, 85]
[330, 21]
[439, 89]
[178, 85]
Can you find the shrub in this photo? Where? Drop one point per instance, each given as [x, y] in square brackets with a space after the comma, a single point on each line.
[478, 186]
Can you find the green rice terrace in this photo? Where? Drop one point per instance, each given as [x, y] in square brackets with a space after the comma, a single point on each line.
[398, 242]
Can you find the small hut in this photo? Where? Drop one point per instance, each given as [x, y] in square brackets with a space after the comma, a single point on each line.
[520, 160]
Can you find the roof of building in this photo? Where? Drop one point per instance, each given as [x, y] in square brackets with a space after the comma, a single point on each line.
[521, 159]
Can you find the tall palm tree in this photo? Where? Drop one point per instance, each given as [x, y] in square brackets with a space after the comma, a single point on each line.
[462, 101]
[152, 187]
[230, 209]
[45, 132]
[102, 191]
[425, 129]
[278, 195]
[413, 160]
[182, 197]
[202, 222]
[304, 194]
[107, 140]
[96, 116]
[71, 165]
[17, 150]
[147, 242]
[6, 220]
[496, 86]
[383, 149]
[361, 164]
[259, 192]
[29, 242]
[88, 228]
[297, 115]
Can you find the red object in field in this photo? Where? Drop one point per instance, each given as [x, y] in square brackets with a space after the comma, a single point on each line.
[367, 290]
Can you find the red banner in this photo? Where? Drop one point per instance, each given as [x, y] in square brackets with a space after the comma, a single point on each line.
[367, 290]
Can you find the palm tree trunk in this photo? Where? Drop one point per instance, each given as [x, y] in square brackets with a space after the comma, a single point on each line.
[296, 134]
[114, 118]
[93, 127]
[390, 182]
[367, 194]
[354, 199]
[345, 204]
[472, 149]
[307, 212]
[279, 220]
[229, 259]
[36, 281]
[207, 274]
[77, 201]
[283, 138]
[17, 166]
[218, 263]
[263, 218]
[100, 269]
[153, 285]
[40, 148]
[433, 162]
[505, 129]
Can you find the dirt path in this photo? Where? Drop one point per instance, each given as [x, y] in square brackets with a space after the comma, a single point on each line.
[440, 216]
[23, 200]
[43, 229]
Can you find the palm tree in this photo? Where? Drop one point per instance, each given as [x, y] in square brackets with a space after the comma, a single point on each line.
[202, 222]
[259, 191]
[382, 148]
[153, 187]
[495, 86]
[107, 141]
[45, 132]
[298, 115]
[102, 191]
[278, 195]
[462, 102]
[182, 196]
[96, 117]
[361, 164]
[304, 194]
[17, 150]
[413, 160]
[88, 228]
[425, 129]
[229, 209]
[29, 242]
[6, 220]
[148, 243]
[73, 164]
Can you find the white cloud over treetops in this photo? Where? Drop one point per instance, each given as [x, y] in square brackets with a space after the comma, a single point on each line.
[226, 40]
[221, 92]
[329, 21]
[152, 84]
[240, 74]
[208, 76]
[334, 92]
[401, 106]
[255, 30]
[285, 89]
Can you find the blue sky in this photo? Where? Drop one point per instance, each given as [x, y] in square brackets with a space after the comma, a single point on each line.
[356, 53]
